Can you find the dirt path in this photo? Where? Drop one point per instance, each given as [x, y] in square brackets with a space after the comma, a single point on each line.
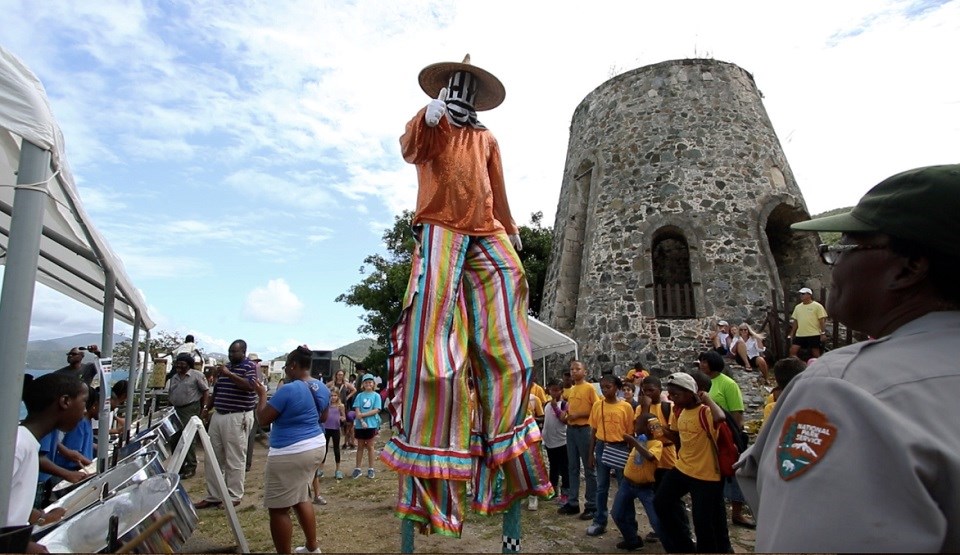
[358, 518]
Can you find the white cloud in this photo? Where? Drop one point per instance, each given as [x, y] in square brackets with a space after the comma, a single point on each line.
[273, 303]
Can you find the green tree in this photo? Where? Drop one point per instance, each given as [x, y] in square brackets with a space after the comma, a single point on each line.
[537, 242]
[161, 342]
[380, 292]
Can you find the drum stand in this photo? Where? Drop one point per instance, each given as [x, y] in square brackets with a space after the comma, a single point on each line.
[194, 427]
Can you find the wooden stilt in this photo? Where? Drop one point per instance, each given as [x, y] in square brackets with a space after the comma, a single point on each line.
[406, 535]
[511, 529]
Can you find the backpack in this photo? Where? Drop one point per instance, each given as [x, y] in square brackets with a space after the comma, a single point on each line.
[730, 443]
[740, 437]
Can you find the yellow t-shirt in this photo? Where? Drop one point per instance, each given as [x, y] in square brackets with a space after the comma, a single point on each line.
[808, 318]
[697, 455]
[611, 420]
[644, 472]
[580, 400]
[668, 458]
[767, 409]
[541, 393]
[535, 406]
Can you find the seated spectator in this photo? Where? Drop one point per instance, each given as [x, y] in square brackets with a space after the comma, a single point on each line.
[748, 350]
[720, 338]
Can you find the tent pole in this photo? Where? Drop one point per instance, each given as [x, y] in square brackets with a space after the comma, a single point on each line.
[16, 299]
[143, 380]
[106, 351]
[132, 378]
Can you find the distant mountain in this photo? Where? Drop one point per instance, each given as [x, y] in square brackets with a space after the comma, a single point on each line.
[358, 350]
[831, 237]
[50, 354]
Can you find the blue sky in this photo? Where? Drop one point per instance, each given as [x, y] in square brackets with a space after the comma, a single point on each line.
[241, 158]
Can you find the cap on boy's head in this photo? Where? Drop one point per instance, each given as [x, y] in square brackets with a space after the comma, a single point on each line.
[919, 205]
[722, 323]
[805, 290]
[682, 380]
[368, 377]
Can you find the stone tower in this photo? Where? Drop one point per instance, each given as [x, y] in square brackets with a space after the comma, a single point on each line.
[674, 213]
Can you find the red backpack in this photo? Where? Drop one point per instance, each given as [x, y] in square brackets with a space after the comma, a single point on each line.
[724, 447]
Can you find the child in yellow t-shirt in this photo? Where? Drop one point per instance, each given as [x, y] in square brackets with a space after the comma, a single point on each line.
[783, 371]
[611, 418]
[638, 481]
[697, 472]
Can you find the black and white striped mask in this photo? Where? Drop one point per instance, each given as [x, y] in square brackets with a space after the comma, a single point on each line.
[461, 92]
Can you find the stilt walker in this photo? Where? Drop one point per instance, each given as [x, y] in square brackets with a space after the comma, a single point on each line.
[464, 317]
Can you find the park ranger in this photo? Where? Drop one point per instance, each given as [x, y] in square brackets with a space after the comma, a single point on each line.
[862, 452]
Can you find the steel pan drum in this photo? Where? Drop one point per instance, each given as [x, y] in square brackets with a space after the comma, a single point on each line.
[165, 421]
[133, 469]
[147, 441]
[63, 487]
[137, 506]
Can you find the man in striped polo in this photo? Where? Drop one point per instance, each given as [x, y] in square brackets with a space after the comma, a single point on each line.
[233, 400]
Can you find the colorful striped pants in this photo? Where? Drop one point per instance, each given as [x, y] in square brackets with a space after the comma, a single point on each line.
[465, 315]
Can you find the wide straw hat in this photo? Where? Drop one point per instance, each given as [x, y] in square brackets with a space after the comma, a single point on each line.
[436, 76]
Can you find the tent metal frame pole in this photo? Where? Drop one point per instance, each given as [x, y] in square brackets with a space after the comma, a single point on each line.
[143, 381]
[16, 300]
[132, 377]
[106, 350]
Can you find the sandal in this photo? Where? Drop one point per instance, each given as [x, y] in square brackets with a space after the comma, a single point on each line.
[319, 500]
[744, 522]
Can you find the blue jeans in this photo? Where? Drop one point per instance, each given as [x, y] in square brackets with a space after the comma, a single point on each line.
[603, 484]
[578, 452]
[625, 514]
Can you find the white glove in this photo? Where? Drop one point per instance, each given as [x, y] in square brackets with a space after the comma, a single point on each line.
[436, 109]
[516, 242]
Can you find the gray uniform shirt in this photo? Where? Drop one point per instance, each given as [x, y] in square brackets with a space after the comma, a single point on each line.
[188, 388]
[862, 451]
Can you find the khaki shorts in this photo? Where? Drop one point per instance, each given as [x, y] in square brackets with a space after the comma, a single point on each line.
[287, 478]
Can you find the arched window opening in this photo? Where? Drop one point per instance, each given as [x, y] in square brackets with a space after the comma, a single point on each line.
[672, 282]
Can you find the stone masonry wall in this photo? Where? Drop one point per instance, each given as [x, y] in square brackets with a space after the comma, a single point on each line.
[684, 147]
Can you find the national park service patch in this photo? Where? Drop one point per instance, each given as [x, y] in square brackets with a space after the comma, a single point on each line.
[806, 437]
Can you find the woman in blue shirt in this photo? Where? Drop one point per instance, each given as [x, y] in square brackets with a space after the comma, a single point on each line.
[296, 451]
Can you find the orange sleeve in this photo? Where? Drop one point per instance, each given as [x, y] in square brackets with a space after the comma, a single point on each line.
[421, 143]
[501, 208]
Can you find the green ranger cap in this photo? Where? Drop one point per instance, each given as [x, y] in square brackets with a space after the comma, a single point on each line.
[920, 205]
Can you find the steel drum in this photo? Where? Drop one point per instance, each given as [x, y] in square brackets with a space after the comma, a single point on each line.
[131, 470]
[165, 421]
[63, 487]
[137, 506]
[152, 440]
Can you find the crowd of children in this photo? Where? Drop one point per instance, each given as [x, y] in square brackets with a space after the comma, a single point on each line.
[659, 446]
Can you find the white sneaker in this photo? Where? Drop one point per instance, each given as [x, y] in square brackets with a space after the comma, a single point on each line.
[532, 503]
[303, 549]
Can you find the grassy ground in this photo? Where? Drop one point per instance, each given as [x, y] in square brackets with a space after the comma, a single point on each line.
[358, 518]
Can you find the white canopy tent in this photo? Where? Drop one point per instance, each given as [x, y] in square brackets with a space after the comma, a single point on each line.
[545, 341]
[45, 236]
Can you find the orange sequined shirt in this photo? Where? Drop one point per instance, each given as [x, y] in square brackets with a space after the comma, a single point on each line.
[460, 176]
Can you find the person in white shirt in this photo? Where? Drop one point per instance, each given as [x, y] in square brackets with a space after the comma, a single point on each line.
[54, 401]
